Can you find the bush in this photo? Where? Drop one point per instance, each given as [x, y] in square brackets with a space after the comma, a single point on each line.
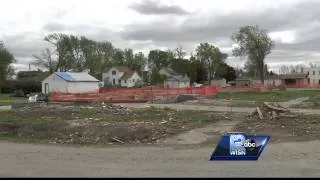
[29, 86]
[8, 87]
[21, 87]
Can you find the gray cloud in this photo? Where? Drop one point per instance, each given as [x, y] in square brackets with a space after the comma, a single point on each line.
[24, 45]
[149, 7]
[304, 18]
[53, 26]
[201, 28]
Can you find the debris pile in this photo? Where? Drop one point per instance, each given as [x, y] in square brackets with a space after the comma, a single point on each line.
[271, 111]
[116, 109]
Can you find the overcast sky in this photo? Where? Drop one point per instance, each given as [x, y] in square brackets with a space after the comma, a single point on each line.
[147, 24]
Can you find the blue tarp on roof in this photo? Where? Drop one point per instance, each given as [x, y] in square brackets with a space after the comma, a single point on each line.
[65, 76]
[76, 77]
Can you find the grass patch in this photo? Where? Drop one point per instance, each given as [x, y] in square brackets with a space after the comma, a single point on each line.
[246, 104]
[277, 96]
[6, 99]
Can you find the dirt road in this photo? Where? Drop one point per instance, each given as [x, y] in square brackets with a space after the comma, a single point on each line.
[278, 160]
[211, 108]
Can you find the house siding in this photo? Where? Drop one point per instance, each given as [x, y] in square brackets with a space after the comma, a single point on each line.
[108, 78]
[131, 82]
[173, 83]
[314, 79]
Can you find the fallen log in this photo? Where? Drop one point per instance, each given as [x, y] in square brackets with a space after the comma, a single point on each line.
[259, 113]
[274, 108]
[115, 139]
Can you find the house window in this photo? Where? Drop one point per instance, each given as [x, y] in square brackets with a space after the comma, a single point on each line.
[132, 80]
[114, 72]
[119, 81]
[114, 81]
[314, 73]
[125, 81]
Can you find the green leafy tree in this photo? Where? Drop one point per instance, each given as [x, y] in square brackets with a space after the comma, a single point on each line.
[6, 58]
[211, 57]
[118, 57]
[158, 59]
[255, 44]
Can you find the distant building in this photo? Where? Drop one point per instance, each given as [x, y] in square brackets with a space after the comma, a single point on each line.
[313, 76]
[242, 82]
[32, 75]
[173, 79]
[121, 76]
[273, 80]
[219, 82]
[70, 82]
[294, 80]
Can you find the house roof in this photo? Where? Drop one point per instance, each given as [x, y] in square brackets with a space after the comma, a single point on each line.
[76, 77]
[179, 78]
[127, 72]
[120, 68]
[126, 75]
[168, 71]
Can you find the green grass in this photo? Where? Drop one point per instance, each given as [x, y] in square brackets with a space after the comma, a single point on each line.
[14, 126]
[277, 96]
[6, 99]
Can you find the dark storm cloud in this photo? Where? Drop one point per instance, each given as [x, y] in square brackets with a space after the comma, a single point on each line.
[150, 7]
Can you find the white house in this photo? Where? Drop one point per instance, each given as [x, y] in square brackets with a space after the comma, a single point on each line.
[174, 80]
[313, 76]
[121, 76]
[70, 82]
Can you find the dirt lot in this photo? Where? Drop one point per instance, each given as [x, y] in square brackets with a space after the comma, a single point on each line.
[311, 103]
[301, 128]
[99, 125]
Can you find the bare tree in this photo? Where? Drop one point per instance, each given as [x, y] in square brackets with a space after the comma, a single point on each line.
[45, 60]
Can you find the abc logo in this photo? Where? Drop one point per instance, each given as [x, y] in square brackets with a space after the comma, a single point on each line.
[249, 143]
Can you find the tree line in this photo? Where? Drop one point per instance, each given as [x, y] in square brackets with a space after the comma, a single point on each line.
[78, 53]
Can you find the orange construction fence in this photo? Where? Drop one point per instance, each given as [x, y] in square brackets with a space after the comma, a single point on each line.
[132, 94]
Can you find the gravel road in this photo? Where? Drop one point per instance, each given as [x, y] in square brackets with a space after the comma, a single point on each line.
[278, 160]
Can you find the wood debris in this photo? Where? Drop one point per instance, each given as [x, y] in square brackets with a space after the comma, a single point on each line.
[115, 139]
[271, 111]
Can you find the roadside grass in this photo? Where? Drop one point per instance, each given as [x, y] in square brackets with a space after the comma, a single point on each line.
[259, 97]
[13, 126]
[6, 99]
